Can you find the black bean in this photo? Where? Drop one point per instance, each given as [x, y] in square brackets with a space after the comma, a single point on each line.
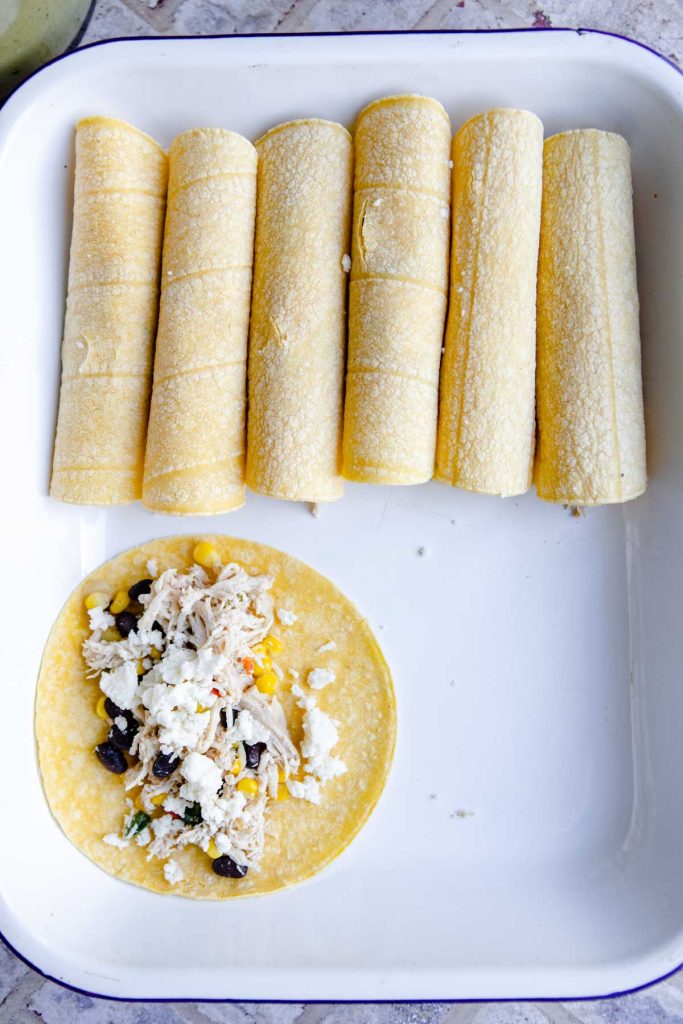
[227, 867]
[112, 709]
[253, 752]
[140, 588]
[164, 765]
[157, 625]
[126, 623]
[113, 759]
[123, 738]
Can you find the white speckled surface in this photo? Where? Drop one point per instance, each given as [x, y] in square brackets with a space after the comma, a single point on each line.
[24, 995]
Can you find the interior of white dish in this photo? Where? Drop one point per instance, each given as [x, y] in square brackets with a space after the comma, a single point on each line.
[528, 842]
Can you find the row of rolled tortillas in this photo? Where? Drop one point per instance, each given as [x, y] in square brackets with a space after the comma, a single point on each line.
[401, 404]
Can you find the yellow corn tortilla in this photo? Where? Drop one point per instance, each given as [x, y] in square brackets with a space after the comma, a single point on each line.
[88, 801]
[591, 430]
[398, 290]
[111, 314]
[297, 334]
[485, 439]
[194, 460]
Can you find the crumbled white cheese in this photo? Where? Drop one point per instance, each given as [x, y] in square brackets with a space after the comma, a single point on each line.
[173, 873]
[121, 723]
[143, 838]
[309, 789]
[327, 768]
[346, 263]
[223, 843]
[286, 617]
[113, 839]
[318, 678]
[221, 810]
[182, 731]
[302, 699]
[175, 804]
[100, 619]
[121, 685]
[153, 568]
[248, 730]
[163, 826]
[329, 646]
[320, 736]
[203, 778]
[174, 710]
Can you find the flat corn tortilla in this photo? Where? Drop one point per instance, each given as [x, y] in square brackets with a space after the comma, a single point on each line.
[89, 802]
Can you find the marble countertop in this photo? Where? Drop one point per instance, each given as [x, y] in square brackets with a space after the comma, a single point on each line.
[24, 995]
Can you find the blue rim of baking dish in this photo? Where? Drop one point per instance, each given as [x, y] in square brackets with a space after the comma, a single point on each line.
[236, 999]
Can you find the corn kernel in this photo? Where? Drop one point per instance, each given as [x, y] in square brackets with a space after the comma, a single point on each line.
[158, 799]
[267, 683]
[99, 707]
[259, 650]
[111, 635]
[213, 850]
[120, 602]
[248, 786]
[236, 767]
[281, 775]
[96, 600]
[282, 792]
[139, 667]
[201, 709]
[273, 644]
[154, 653]
[262, 666]
[206, 554]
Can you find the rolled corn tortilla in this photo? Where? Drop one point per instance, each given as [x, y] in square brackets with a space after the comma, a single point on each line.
[399, 277]
[298, 326]
[194, 462]
[486, 428]
[591, 447]
[111, 313]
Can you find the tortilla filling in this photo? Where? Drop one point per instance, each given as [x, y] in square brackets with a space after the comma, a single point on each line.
[188, 673]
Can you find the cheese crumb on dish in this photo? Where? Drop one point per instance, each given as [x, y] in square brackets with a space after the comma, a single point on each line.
[286, 617]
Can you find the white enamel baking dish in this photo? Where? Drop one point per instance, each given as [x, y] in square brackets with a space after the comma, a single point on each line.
[538, 658]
